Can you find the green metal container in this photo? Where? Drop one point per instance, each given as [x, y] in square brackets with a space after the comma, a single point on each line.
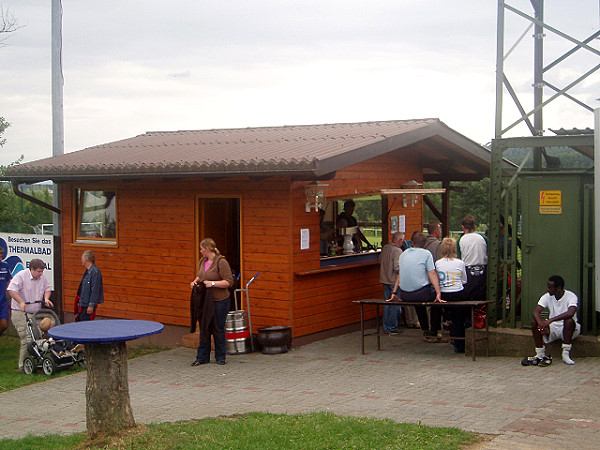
[556, 238]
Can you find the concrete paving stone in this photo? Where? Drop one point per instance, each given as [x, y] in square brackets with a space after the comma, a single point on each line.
[410, 381]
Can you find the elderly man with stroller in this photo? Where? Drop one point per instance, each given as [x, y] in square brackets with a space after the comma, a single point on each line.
[28, 290]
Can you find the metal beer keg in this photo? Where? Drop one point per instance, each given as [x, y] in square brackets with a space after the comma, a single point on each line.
[237, 333]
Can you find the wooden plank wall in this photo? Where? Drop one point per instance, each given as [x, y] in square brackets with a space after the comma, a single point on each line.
[324, 301]
[147, 275]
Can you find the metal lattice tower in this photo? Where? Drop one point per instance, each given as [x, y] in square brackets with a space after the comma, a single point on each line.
[539, 30]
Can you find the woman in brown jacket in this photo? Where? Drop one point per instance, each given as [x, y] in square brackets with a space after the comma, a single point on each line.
[215, 273]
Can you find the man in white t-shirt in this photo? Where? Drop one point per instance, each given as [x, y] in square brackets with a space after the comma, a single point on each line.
[472, 249]
[561, 322]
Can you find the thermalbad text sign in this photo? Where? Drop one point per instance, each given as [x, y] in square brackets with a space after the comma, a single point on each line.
[19, 249]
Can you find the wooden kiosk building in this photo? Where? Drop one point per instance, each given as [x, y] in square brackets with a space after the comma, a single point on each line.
[144, 204]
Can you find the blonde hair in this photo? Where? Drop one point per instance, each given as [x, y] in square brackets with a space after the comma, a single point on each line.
[448, 247]
[209, 244]
[46, 324]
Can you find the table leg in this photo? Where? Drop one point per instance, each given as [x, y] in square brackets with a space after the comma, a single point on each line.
[487, 334]
[108, 409]
[378, 330]
[362, 328]
[473, 331]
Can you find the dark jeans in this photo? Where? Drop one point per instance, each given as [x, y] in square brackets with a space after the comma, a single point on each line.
[391, 313]
[221, 310]
[458, 317]
[423, 295]
[84, 316]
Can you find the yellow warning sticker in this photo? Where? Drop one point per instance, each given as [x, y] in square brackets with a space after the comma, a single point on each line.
[550, 198]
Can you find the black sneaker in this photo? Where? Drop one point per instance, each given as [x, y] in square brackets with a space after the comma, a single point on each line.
[545, 361]
[393, 333]
[529, 361]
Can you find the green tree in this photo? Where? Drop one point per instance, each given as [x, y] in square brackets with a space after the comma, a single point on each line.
[472, 198]
[18, 215]
[3, 126]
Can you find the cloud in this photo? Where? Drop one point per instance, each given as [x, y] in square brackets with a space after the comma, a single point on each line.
[135, 66]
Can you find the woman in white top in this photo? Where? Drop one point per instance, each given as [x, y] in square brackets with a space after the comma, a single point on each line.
[453, 275]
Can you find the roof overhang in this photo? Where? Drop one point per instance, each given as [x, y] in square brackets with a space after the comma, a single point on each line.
[300, 152]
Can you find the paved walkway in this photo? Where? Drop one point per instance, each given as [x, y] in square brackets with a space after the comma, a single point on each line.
[409, 381]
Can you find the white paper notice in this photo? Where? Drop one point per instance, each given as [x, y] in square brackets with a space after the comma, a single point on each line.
[304, 238]
[394, 224]
[402, 224]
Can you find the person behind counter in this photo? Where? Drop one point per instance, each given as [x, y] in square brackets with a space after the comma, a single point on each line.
[346, 220]
[214, 273]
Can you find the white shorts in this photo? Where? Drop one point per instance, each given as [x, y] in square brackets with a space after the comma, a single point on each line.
[556, 332]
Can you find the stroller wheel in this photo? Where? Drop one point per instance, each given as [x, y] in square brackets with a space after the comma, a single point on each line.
[81, 358]
[48, 366]
[29, 365]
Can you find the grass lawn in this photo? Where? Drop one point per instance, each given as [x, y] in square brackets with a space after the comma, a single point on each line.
[265, 431]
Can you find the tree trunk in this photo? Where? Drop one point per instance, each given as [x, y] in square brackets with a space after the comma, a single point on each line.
[108, 409]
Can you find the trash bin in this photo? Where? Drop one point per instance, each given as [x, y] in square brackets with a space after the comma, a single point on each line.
[275, 340]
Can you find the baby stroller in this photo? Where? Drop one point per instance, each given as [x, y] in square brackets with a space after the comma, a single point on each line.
[49, 354]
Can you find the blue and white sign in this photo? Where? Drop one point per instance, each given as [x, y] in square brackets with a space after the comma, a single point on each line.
[19, 249]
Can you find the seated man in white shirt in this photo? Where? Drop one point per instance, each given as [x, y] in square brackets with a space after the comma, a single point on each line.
[561, 323]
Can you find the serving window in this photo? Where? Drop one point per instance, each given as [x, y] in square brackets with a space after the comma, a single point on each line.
[339, 237]
[96, 216]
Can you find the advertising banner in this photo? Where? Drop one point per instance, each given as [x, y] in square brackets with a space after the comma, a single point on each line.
[19, 249]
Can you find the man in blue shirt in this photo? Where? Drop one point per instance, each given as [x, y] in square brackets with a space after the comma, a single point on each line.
[91, 291]
[419, 283]
[5, 277]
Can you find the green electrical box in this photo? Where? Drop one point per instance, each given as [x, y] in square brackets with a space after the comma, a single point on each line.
[555, 240]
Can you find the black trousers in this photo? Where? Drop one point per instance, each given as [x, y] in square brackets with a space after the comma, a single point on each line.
[458, 317]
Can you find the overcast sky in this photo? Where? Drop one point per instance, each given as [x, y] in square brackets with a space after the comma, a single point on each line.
[135, 66]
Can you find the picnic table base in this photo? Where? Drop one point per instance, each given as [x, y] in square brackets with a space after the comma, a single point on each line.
[108, 408]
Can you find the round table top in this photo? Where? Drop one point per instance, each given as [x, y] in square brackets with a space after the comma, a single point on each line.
[105, 331]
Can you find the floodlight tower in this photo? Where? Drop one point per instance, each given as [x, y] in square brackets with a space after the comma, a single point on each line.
[503, 194]
[58, 141]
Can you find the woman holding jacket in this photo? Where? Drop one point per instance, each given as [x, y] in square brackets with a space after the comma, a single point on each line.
[214, 273]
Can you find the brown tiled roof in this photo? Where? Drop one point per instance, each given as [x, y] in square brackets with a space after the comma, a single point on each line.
[302, 151]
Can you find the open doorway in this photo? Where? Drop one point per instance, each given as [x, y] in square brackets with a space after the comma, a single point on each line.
[219, 219]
